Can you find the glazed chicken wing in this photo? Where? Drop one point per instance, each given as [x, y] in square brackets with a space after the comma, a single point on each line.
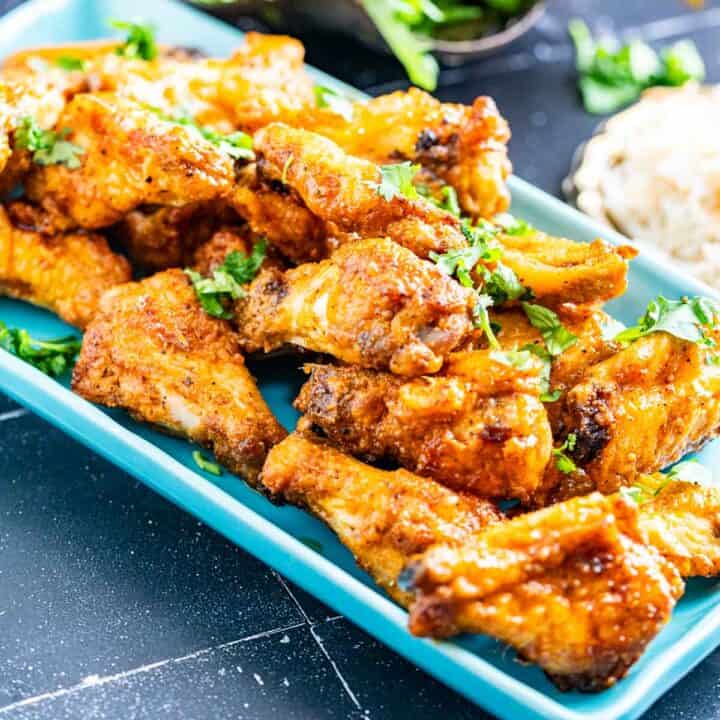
[372, 303]
[479, 426]
[66, 272]
[153, 351]
[636, 412]
[382, 517]
[131, 157]
[571, 587]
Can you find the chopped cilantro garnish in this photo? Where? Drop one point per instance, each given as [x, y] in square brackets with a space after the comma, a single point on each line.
[326, 97]
[481, 319]
[47, 146]
[503, 285]
[52, 357]
[216, 293]
[449, 200]
[511, 225]
[547, 395]
[140, 41]
[690, 471]
[204, 464]
[687, 319]
[556, 336]
[69, 62]
[563, 462]
[397, 181]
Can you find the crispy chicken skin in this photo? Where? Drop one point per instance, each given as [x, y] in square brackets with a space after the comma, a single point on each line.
[132, 157]
[382, 517]
[153, 351]
[464, 146]
[66, 273]
[571, 587]
[636, 412]
[372, 303]
[479, 426]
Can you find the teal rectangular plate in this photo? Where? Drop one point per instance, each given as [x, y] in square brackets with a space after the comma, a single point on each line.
[481, 669]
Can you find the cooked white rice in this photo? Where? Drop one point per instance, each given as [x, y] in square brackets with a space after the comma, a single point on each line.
[654, 173]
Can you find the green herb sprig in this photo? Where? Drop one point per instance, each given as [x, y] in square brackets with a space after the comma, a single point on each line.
[556, 336]
[207, 465]
[397, 181]
[140, 41]
[70, 63]
[47, 146]
[326, 97]
[53, 357]
[563, 462]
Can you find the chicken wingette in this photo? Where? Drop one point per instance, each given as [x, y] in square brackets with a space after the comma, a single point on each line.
[572, 587]
[64, 272]
[382, 517]
[153, 351]
[636, 412]
[478, 426]
[372, 303]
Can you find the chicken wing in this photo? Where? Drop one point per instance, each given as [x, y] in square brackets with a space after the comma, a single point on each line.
[372, 303]
[131, 157]
[66, 273]
[571, 587]
[479, 426]
[636, 412]
[382, 517]
[153, 351]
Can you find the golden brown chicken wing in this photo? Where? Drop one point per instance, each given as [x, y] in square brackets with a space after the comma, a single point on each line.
[382, 517]
[153, 351]
[636, 412]
[571, 587]
[131, 157]
[66, 273]
[372, 303]
[479, 426]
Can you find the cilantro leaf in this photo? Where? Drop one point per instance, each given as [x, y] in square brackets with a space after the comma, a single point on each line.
[47, 146]
[140, 40]
[502, 284]
[556, 336]
[481, 319]
[547, 395]
[687, 319]
[215, 294]
[204, 464]
[70, 62]
[397, 181]
[326, 97]
[512, 225]
[449, 200]
[52, 357]
[563, 462]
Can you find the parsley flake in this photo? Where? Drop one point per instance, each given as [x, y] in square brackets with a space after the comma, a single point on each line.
[204, 464]
[47, 146]
[52, 357]
[556, 336]
[70, 62]
[326, 97]
[563, 462]
[481, 319]
[140, 41]
[397, 181]
[547, 395]
[512, 225]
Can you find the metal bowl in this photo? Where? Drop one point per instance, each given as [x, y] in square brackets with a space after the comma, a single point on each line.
[348, 17]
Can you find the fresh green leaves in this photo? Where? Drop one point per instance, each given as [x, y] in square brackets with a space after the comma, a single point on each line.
[502, 284]
[481, 319]
[546, 395]
[52, 357]
[140, 41]
[397, 181]
[326, 97]
[687, 319]
[690, 471]
[563, 462]
[47, 146]
[69, 62]
[556, 336]
[449, 200]
[217, 293]
[511, 225]
[204, 464]
[612, 78]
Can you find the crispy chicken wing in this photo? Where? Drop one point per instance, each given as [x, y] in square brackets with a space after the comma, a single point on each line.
[636, 412]
[131, 157]
[154, 351]
[479, 426]
[571, 587]
[382, 517]
[66, 273]
[372, 303]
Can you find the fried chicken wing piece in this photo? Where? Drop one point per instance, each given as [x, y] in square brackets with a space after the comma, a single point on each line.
[66, 273]
[341, 191]
[131, 157]
[464, 146]
[153, 351]
[636, 412]
[682, 522]
[571, 587]
[382, 517]
[372, 303]
[479, 426]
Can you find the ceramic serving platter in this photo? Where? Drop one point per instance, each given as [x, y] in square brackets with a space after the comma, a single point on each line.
[290, 540]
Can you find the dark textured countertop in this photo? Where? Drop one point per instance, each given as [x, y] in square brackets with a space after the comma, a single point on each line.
[115, 604]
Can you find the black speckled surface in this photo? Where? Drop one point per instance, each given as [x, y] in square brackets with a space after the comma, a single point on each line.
[116, 605]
